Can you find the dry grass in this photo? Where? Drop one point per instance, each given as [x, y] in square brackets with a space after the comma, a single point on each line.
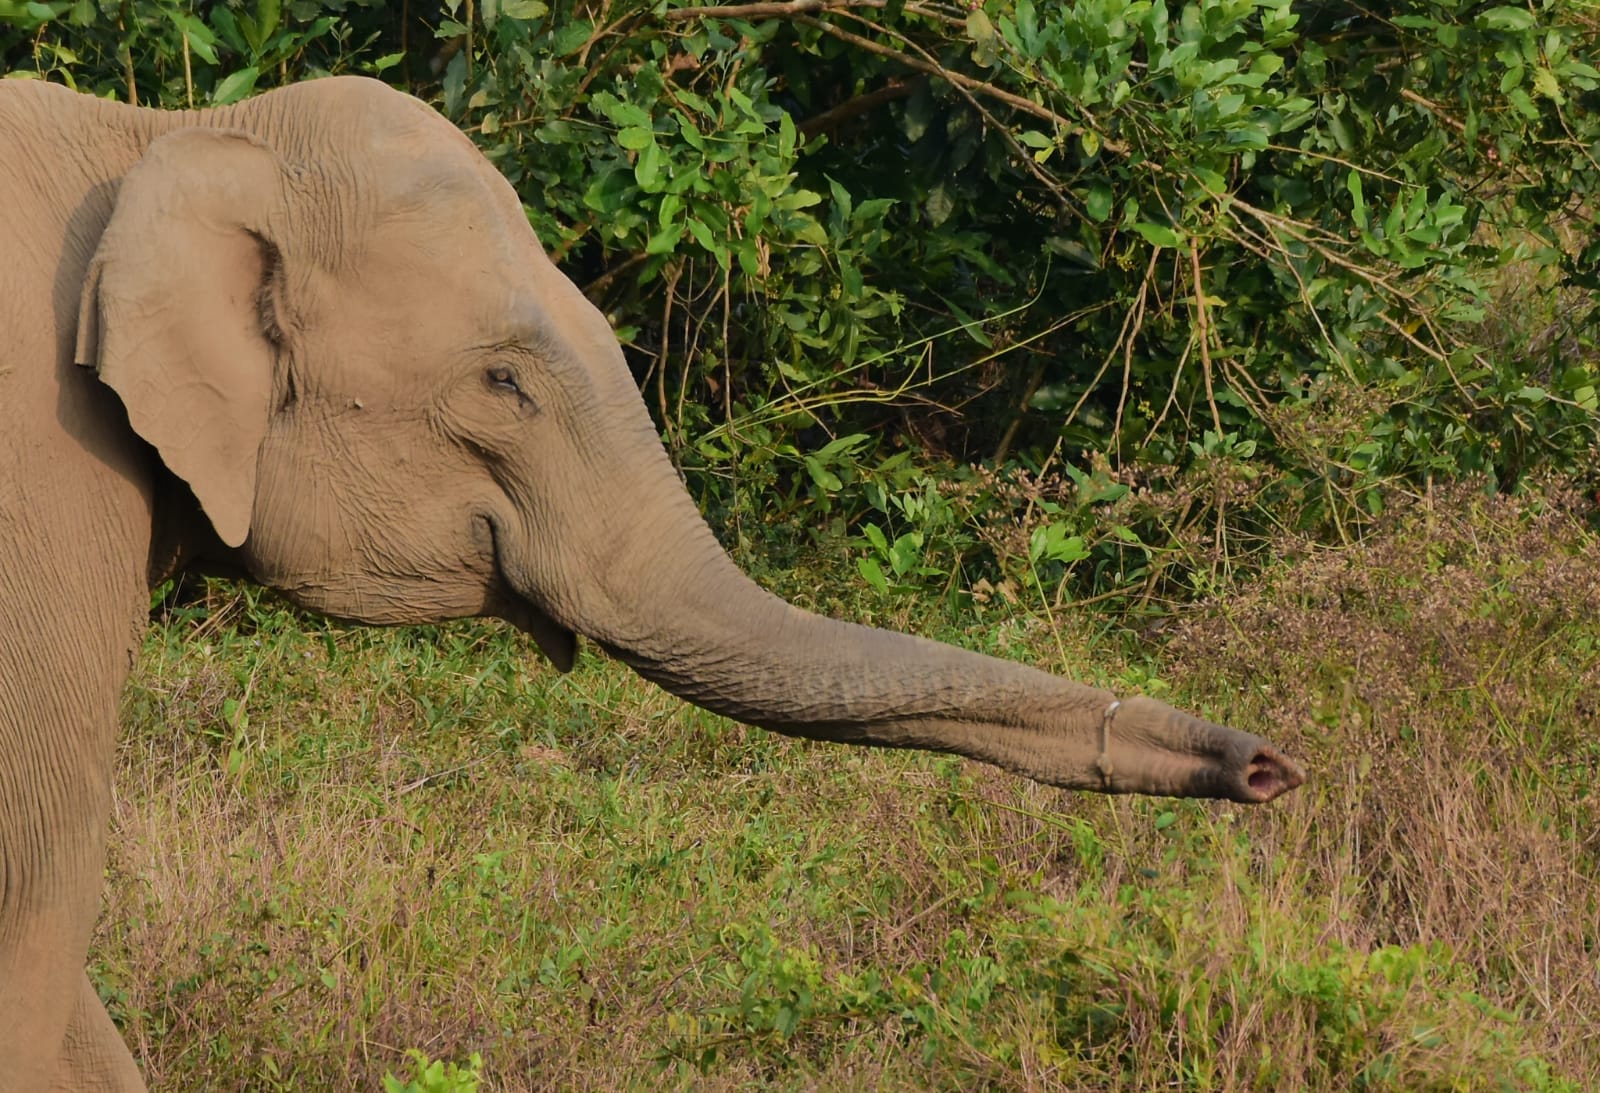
[335, 844]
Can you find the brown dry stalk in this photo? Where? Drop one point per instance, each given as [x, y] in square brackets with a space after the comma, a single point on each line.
[1203, 333]
[674, 273]
[1127, 338]
[188, 70]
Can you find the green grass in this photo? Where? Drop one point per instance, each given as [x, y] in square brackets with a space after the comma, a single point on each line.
[335, 844]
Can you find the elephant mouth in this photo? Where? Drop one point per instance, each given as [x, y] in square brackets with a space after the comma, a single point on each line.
[555, 641]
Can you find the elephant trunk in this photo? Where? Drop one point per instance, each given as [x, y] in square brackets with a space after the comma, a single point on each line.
[770, 664]
[618, 552]
[663, 597]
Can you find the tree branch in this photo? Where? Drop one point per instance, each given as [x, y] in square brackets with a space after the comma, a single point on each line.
[777, 9]
[850, 109]
[799, 11]
[967, 83]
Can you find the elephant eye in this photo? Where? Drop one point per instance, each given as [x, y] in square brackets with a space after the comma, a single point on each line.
[501, 377]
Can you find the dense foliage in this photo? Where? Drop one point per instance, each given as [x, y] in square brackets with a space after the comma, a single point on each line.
[1173, 272]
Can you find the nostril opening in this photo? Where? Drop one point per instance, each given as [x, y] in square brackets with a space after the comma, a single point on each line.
[1263, 780]
[1269, 774]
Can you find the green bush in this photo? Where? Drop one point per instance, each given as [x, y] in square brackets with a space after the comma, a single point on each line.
[1180, 272]
[437, 1076]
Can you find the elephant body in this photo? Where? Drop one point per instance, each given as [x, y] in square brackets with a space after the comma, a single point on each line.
[310, 339]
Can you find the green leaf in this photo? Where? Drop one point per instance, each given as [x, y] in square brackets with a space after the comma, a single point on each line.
[841, 198]
[905, 552]
[671, 206]
[665, 240]
[787, 135]
[268, 13]
[1352, 182]
[647, 171]
[985, 43]
[235, 86]
[1098, 202]
[842, 445]
[199, 36]
[822, 476]
[798, 199]
[623, 113]
[1507, 19]
[702, 235]
[571, 37]
[872, 573]
[1159, 235]
[635, 137]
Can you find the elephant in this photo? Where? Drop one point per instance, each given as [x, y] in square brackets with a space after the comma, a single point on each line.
[311, 339]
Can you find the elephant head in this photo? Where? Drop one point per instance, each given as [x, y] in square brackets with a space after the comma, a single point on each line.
[328, 315]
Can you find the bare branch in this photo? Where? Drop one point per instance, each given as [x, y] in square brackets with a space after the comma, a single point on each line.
[853, 108]
[777, 9]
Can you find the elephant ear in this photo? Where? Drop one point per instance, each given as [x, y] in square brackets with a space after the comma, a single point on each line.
[180, 311]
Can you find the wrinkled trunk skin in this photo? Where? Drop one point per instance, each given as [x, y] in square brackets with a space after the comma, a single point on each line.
[637, 570]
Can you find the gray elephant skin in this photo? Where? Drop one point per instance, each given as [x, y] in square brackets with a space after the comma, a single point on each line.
[311, 338]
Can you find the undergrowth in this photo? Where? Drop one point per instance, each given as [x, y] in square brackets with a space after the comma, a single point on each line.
[1248, 254]
[336, 844]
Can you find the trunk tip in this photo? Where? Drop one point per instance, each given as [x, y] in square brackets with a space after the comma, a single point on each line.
[1269, 774]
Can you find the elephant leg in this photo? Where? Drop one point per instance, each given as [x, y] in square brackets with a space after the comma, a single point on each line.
[94, 1058]
[59, 680]
[52, 844]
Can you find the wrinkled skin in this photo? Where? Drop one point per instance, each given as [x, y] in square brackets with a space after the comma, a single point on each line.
[311, 338]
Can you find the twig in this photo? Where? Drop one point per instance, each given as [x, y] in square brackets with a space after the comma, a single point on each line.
[1303, 233]
[1027, 106]
[853, 108]
[775, 10]
[613, 273]
[1262, 250]
[1172, 392]
[1129, 335]
[1018, 152]
[439, 776]
[1204, 332]
[1004, 447]
[800, 7]
[188, 70]
[1134, 319]
[673, 274]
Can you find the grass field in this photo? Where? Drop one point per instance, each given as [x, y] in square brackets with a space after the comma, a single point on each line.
[333, 844]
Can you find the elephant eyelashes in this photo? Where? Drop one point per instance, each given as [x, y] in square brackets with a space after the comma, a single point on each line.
[500, 378]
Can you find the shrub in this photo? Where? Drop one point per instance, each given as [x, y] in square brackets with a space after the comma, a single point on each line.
[1258, 262]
